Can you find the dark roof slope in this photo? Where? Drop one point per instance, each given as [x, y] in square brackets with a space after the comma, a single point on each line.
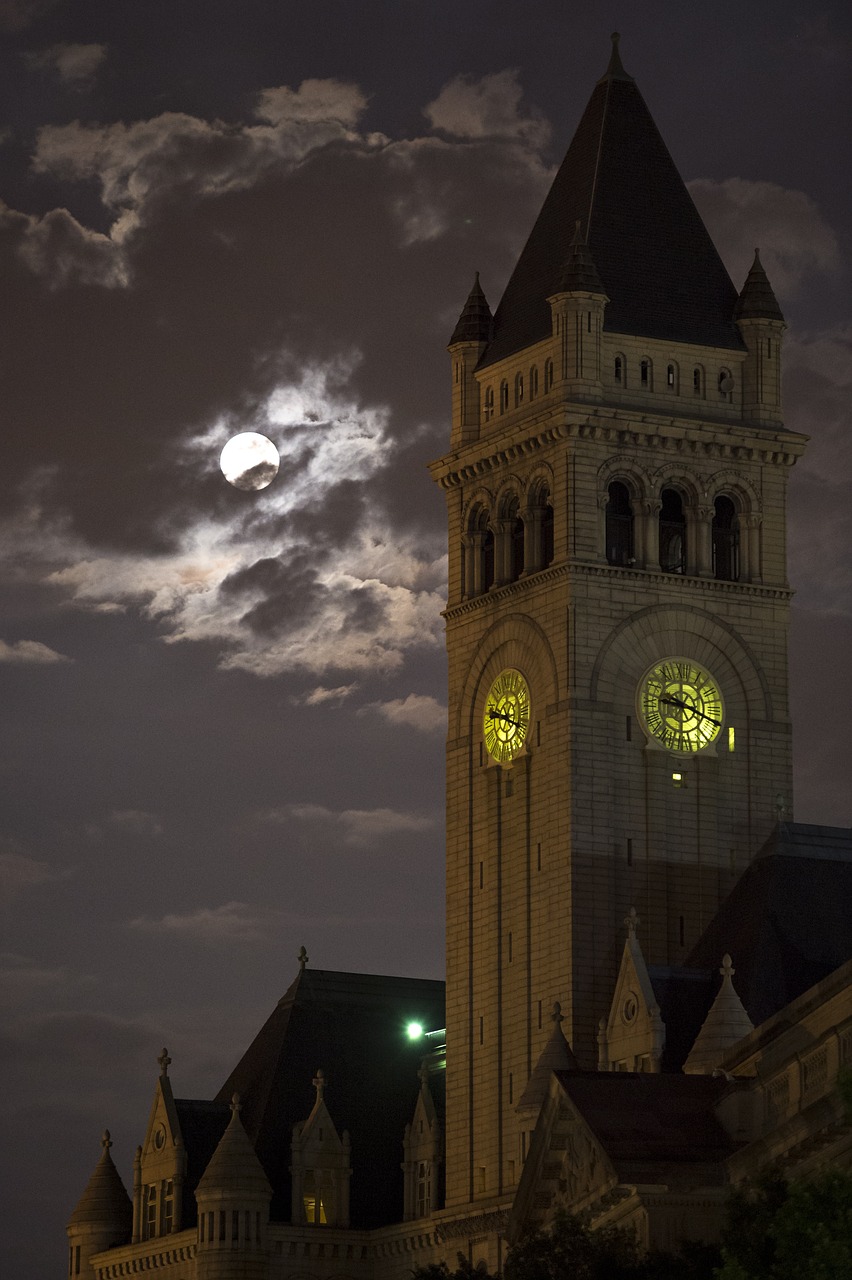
[757, 299]
[105, 1202]
[202, 1124]
[475, 323]
[353, 1027]
[786, 923]
[654, 256]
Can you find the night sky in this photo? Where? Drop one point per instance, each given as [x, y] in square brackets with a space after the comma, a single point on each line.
[223, 712]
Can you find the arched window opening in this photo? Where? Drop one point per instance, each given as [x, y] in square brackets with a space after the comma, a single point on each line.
[516, 567]
[548, 375]
[312, 1199]
[533, 382]
[547, 534]
[726, 540]
[504, 396]
[488, 560]
[671, 377]
[619, 525]
[478, 554]
[698, 381]
[489, 403]
[672, 533]
[512, 552]
[726, 385]
[645, 374]
[618, 371]
[519, 389]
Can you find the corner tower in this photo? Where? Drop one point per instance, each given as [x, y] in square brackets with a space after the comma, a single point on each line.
[617, 616]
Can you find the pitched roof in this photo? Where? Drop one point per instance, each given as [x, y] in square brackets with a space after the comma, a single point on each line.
[352, 1026]
[726, 1023]
[556, 1055]
[654, 256]
[757, 300]
[475, 323]
[234, 1166]
[202, 1124]
[787, 920]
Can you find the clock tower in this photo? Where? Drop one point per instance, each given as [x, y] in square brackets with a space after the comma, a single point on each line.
[617, 618]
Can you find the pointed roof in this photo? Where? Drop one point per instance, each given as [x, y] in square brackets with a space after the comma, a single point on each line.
[725, 1024]
[555, 1056]
[234, 1167]
[656, 260]
[475, 323]
[105, 1201]
[354, 1025]
[580, 273]
[757, 300]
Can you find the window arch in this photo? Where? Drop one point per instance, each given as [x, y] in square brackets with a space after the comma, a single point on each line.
[512, 539]
[619, 371]
[672, 532]
[504, 396]
[698, 381]
[672, 377]
[533, 382]
[519, 389]
[548, 375]
[539, 525]
[646, 374]
[488, 403]
[478, 553]
[619, 525]
[726, 539]
[726, 385]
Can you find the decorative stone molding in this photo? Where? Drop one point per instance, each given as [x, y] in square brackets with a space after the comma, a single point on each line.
[495, 1220]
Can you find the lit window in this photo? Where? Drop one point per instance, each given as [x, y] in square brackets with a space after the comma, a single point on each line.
[731, 738]
[504, 396]
[671, 377]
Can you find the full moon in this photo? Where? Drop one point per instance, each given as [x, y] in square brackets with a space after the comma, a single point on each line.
[249, 461]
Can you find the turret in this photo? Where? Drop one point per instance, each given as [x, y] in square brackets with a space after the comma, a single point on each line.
[103, 1217]
[761, 324]
[320, 1166]
[470, 338]
[577, 313]
[423, 1149]
[556, 1055]
[233, 1208]
[725, 1024]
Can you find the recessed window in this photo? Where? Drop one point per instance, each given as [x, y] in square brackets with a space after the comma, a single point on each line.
[519, 389]
[619, 525]
[618, 372]
[533, 382]
[672, 533]
[548, 375]
[645, 374]
[504, 396]
[698, 381]
[677, 779]
[726, 385]
[671, 377]
[489, 403]
[726, 540]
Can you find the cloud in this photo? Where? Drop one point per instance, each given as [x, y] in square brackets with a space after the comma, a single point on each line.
[787, 226]
[75, 64]
[416, 711]
[30, 651]
[128, 822]
[231, 922]
[359, 827]
[17, 14]
[19, 874]
[24, 980]
[319, 695]
[488, 107]
[57, 248]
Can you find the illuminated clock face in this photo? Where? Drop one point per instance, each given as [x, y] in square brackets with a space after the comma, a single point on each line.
[507, 716]
[680, 705]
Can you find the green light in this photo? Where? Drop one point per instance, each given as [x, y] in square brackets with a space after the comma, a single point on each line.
[414, 1030]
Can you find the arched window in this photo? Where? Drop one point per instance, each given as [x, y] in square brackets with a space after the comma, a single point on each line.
[672, 533]
[513, 547]
[478, 554]
[548, 375]
[618, 371]
[519, 389]
[671, 377]
[489, 403]
[726, 385]
[533, 382]
[726, 540]
[547, 533]
[646, 378]
[504, 396]
[539, 530]
[619, 525]
[698, 381]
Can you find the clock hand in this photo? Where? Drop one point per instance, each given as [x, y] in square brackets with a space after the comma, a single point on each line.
[498, 715]
[688, 706]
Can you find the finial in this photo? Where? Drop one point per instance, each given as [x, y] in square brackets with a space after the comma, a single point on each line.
[106, 1142]
[727, 970]
[423, 1076]
[236, 1105]
[165, 1062]
[632, 921]
[556, 1015]
[303, 958]
[319, 1083]
[615, 68]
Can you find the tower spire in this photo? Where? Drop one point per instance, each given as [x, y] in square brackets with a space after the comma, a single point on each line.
[615, 70]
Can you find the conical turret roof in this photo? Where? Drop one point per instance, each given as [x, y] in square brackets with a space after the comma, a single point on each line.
[757, 300]
[555, 1056]
[579, 272]
[105, 1201]
[725, 1024]
[234, 1166]
[475, 323]
[656, 261]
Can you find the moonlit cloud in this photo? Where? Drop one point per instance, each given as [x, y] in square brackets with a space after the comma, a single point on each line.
[231, 922]
[31, 652]
[416, 711]
[794, 239]
[488, 107]
[75, 64]
[359, 827]
[20, 873]
[319, 695]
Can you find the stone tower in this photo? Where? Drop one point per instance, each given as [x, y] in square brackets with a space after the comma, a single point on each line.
[617, 617]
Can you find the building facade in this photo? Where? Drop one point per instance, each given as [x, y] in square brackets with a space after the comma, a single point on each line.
[618, 759]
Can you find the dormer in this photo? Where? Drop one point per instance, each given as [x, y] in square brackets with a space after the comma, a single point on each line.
[726, 1023]
[633, 1037]
[160, 1166]
[423, 1148]
[320, 1167]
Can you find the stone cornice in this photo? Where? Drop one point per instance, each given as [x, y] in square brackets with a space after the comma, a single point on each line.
[472, 1224]
[653, 577]
[716, 439]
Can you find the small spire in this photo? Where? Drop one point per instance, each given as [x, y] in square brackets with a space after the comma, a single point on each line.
[319, 1084]
[165, 1062]
[303, 959]
[556, 1013]
[727, 1022]
[475, 324]
[106, 1141]
[236, 1105]
[579, 274]
[757, 300]
[615, 70]
[632, 922]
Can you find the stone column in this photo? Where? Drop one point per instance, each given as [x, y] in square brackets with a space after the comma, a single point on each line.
[752, 539]
[704, 542]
